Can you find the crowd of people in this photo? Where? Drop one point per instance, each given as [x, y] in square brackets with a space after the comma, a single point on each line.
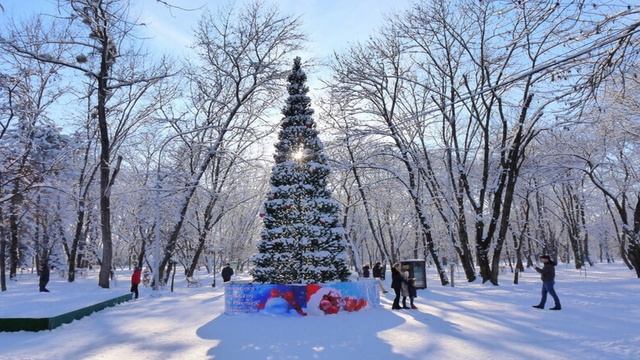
[402, 283]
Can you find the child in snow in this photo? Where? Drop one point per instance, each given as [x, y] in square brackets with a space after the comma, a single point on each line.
[135, 281]
[548, 276]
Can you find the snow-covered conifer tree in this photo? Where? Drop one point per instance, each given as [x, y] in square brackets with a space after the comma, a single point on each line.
[302, 240]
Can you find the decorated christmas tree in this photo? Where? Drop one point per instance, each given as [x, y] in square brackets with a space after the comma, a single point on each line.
[302, 240]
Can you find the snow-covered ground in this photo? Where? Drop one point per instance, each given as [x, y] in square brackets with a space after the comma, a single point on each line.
[600, 320]
[23, 298]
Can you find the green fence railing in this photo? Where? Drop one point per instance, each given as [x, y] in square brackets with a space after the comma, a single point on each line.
[48, 323]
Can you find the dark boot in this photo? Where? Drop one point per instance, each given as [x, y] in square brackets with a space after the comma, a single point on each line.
[556, 308]
[538, 306]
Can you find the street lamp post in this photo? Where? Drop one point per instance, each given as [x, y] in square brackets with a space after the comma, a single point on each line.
[217, 262]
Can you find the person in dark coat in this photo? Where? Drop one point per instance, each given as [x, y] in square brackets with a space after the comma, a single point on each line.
[548, 276]
[44, 277]
[227, 272]
[377, 271]
[135, 281]
[396, 284]
[366, 271]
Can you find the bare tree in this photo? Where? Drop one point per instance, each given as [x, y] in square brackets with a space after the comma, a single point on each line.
[242, 55]
[375, 89]
[31, 89]
[607, 156]
[96, 36]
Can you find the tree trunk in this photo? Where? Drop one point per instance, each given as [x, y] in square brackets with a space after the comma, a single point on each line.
[14, 255]
[466, 258]
[512, 169]
[365, 204]
[105, 167]
[143, 249]
[585, 239]
[73, 252]
[209, 222]
[620, 236]
[356, 258]
[634, 256]
[529, 253]
[74, 258]
[504, 225]
[3, 246]
[623, 252]
[424, 223]
[634, 238]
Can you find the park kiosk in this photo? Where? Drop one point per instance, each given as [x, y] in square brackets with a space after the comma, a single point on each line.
[417, 270]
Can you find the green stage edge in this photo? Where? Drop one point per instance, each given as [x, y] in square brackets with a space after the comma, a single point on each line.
[37, 324]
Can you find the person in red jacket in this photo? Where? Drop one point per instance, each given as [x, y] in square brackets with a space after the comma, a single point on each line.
[135, 281]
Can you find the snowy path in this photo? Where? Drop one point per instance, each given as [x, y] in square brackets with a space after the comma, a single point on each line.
[600, 319]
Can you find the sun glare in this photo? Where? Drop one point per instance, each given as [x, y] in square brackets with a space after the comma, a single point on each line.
[298, 155]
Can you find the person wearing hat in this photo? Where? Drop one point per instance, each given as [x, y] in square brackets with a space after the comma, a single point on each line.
[548, 276]
[227, 272]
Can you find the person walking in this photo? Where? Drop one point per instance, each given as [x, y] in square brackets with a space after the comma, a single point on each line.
[377, 274]
[396, 284]
[135, 281]
[44, 276]
[366, 273]
[548, 276]
[227, 272]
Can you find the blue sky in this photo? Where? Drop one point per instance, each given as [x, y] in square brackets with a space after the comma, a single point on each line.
[331, 25]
